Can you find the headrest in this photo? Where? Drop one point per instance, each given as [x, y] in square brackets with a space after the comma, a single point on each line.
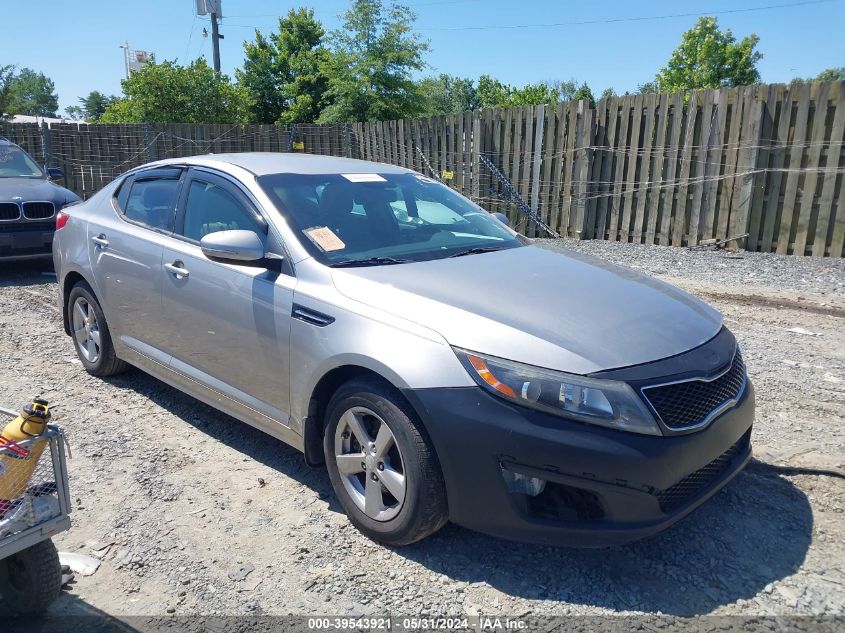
[375, 195]
[336, 199]
[157, 195]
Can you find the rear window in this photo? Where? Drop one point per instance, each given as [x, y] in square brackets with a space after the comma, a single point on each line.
[152, 202]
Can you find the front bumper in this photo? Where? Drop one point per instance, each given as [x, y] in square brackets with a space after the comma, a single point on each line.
[22, 240]
[603, 487]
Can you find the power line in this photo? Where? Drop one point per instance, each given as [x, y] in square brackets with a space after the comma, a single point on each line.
[190, 37]
[627, 19]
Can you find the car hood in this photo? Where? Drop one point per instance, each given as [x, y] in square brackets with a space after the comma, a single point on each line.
[564, 311]
[35, 189]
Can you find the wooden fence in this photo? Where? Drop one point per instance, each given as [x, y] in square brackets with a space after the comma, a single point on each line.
[656, 169]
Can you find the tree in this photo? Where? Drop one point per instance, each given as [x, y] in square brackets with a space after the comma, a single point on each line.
[7, 74]
[75, 112]
[373, 58]
[445, 94]
[170, 93]
[828, 74]
[32, 93]
[492, 93]
[710, 58]
[649, 87]
[95, 104]
[831, 74]
[583, 92]
[283, 74]
[91, 108]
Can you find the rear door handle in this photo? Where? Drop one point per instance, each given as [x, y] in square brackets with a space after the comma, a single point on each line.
[100, 240]
[177, 269]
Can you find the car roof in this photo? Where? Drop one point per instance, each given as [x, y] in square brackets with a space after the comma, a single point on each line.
[263, 163]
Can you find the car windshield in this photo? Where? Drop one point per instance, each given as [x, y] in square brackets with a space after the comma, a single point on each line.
[16, 163]
[380, 219]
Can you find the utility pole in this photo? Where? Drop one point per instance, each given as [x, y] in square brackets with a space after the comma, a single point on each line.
[214, 8]
[125, 48]
[215, 41]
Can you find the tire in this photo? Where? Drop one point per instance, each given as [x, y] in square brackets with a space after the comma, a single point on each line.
[423, 509]
[81, 305]
[31, 579]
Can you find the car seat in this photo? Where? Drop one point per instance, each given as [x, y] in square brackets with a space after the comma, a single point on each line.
[157, 205]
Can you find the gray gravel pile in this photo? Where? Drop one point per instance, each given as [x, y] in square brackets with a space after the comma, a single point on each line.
[192, 512]
[731, 268]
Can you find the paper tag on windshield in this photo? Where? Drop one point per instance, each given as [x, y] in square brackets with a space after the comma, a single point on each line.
[325, 238]
[363, 178]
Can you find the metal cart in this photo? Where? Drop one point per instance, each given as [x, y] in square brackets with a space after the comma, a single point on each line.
[30, 573]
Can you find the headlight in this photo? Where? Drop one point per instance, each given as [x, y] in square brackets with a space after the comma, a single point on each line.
[607, 403]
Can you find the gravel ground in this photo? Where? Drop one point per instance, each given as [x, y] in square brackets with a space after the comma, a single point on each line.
[194, 513]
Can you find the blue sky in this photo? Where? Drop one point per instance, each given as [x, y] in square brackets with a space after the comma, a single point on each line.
[77, 45]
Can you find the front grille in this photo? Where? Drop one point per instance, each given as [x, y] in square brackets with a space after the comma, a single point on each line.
[689, 403]
[24, 227]
[9, 211]
[38, 210]
[692, 484]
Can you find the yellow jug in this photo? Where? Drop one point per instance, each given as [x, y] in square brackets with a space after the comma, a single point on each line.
[16, 466]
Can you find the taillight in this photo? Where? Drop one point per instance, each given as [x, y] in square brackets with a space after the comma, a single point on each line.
[61, 220]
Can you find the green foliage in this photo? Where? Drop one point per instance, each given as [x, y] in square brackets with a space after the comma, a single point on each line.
[370, 69]
[828, 74]
[91, 108]
[7, 74]
[170, 93]
[283, 74]
[31, 93]
[95, 104]
[75, 112]
[445, 94]
[493, 93]
[831, 74]
[649, 87]
[710, 58]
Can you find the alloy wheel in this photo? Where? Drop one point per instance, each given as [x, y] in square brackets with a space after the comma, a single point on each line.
[86, 330]
[370, 463]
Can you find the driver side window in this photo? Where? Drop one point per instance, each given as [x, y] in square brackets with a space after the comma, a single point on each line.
[210, 208]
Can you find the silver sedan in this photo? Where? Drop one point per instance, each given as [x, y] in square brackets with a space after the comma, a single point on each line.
[438, 364]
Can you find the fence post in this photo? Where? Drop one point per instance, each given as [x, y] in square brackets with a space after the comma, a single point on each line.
[148, 143]
[540, 118]
[750, 149]
[46, 142]
[583, 160]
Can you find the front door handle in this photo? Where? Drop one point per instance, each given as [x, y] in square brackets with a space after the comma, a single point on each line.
[177, 269]
[100, 240]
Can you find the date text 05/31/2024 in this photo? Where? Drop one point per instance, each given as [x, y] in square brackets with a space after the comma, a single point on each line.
[478, 623]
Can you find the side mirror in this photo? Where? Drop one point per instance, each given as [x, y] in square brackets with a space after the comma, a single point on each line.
[501, 217]
[55, 173]
[242, 246]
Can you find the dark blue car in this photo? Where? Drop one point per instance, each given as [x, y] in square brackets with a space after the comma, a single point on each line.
[29, 202]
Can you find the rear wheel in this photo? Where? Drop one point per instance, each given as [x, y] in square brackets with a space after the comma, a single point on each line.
[91, 336]
[381, 464]
[31, 579]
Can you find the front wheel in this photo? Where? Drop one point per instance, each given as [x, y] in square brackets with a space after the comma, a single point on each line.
[381, 464]
[31, 579]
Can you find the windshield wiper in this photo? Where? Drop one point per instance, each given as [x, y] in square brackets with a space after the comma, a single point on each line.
[369, 261]
[476, 250]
